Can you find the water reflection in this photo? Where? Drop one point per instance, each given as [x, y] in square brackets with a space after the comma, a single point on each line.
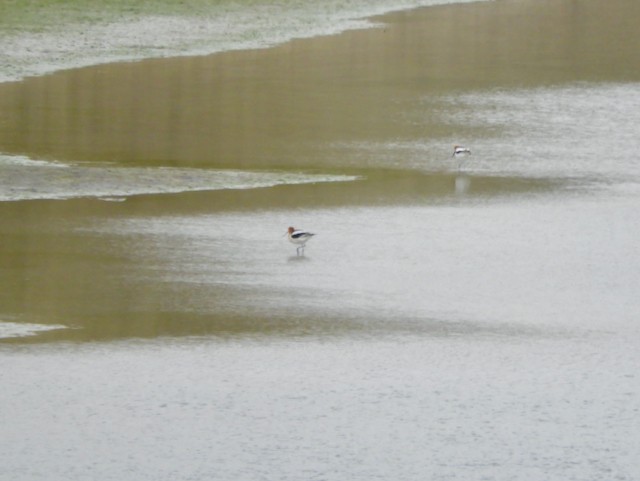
[399, 254]
[393, 249]
[299, 258]
[281, 107]
[176, 266]
[462, 183]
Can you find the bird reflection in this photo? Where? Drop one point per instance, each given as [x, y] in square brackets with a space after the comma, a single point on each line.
[462, 184]
[298, 258]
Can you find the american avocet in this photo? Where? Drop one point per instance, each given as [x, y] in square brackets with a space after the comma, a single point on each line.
[299, 238]
[460, 152]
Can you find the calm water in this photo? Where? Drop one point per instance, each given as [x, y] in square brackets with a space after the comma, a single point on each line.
[479, 323]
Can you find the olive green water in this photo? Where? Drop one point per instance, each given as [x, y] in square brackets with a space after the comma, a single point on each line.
[384, 105]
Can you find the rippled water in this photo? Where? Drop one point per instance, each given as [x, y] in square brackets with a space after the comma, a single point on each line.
[26, 179]
[462, 407]
[582, 130]
[44, 37]
[444, 323]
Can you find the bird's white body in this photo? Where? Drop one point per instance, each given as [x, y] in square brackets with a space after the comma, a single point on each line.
[299, 238]
[458, 150]
[460, 153]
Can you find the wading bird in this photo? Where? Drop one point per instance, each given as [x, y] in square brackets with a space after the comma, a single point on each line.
[299, 238]
[460, 153]
[459, 150]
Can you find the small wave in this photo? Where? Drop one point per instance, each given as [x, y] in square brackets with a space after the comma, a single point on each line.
[19, 329]
[69, 37]
[26, 179]
[23, 160]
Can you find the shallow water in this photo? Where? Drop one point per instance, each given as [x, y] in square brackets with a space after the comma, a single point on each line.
[444, 323]
[437, 407]
[41, 36]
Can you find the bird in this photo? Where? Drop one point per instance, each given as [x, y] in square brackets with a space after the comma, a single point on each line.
[460, 152]
[299, 238]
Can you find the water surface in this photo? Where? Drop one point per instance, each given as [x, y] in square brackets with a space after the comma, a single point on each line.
[444, 323]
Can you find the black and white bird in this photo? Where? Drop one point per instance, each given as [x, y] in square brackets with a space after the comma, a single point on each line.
[460, 153]
[459, 150]
[299, 238]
